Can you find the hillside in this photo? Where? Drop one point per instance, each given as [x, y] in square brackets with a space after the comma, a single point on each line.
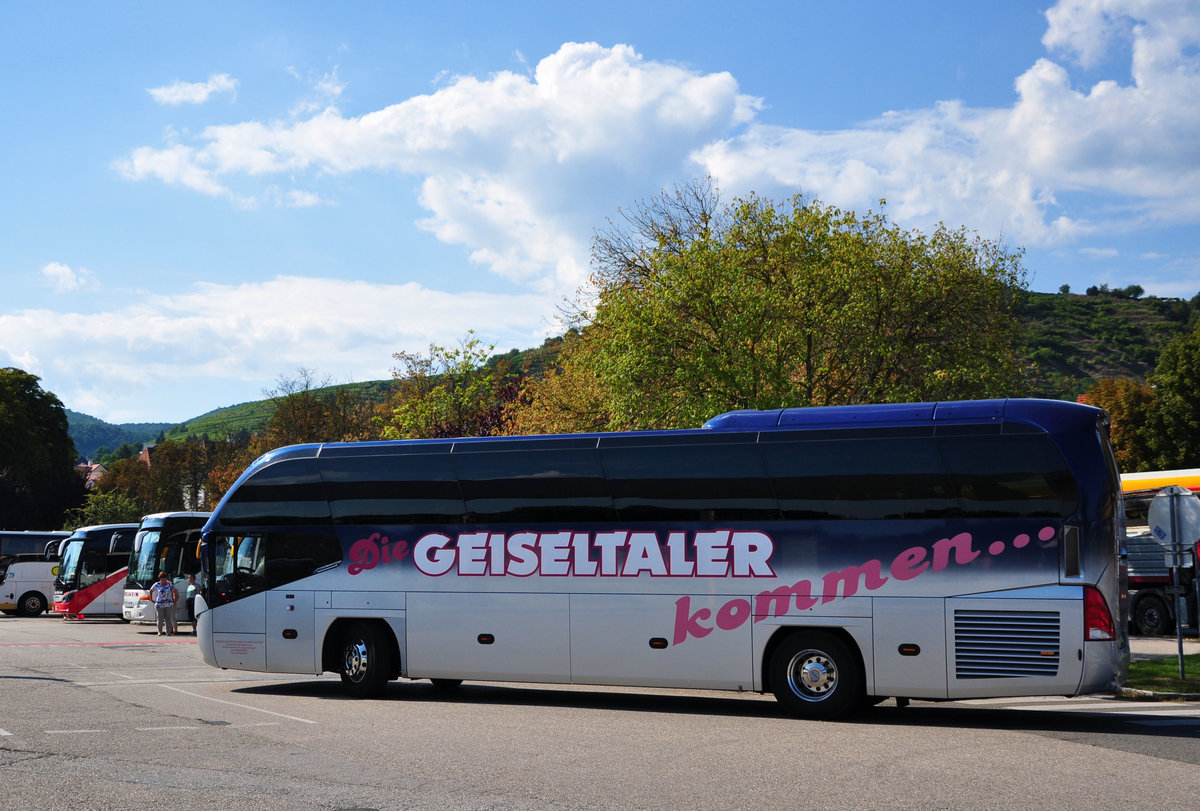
[1071, 341]
[89, 433]
[1074, 340]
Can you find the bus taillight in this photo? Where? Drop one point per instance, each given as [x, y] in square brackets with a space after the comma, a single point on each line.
[1097, 619]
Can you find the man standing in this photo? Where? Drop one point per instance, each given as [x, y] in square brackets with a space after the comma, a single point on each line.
[191, 601]
[164, 595]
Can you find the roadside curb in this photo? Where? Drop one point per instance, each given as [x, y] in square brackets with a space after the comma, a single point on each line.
[1150, 695]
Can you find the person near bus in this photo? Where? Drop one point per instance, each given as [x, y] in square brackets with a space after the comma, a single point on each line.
[165, 595]
[191, 602]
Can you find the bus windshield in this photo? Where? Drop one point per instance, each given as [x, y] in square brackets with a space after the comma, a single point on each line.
[144, 570]
[71, 554]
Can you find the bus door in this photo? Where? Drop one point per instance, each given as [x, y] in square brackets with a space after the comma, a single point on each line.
[291, 646]
[238, 628]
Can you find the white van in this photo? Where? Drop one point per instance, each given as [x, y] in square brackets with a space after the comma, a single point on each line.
[26, 586]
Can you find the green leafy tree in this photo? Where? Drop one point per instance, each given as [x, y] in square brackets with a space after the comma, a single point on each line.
[113, 507]
[450, 392]
[702, 308]
[1176, 382]
[38, 481]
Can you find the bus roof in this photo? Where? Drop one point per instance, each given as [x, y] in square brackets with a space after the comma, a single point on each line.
[158, 519]
[1047, 415]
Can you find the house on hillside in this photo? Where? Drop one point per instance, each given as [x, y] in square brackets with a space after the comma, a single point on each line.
[91, 472]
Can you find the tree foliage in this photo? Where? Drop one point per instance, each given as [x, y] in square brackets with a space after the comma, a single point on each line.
[702, 308]
[450, 392]
[567, 398]
[308, 410]
[114, 507]
[1133, 410]
[38, 481]
[1176, 382]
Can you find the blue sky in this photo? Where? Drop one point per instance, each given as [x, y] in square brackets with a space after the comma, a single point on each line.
[200, 199]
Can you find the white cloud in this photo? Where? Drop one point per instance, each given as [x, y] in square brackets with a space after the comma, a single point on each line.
[242, 337]
[193, 92]
[516, 168]
[520, 168]
[1060, 163]
[66, 280]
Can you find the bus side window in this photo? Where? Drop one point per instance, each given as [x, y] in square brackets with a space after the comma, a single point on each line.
[291, 557]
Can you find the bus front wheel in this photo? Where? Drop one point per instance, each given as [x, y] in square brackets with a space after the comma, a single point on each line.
[816, 675]
[366, 660]
[31, 605]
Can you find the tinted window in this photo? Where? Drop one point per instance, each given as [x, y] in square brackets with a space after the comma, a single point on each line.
[864, 478]
[292, 557]
[397, 489]
[1010, 476]
[524, 486]
[702, 478]
[285, 493]
[971, 471]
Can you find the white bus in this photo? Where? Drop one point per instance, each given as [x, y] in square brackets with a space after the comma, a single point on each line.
[91, 577]
[165, 542]
[831, 556]
[26, 584]
[31, 542]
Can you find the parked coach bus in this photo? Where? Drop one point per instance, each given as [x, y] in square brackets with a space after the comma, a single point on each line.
[831, 556]
[26, 584]
[165, 542]
[91, 577]
[30, 542]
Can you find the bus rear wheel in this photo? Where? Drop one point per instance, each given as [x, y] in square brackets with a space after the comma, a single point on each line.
[366, 660]
[816, 675]
[31, 605]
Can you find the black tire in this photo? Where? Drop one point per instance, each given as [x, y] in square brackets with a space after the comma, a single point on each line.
[1150, 616]
[31, 604]
[446, 684]
[816, 675]
[366, 660]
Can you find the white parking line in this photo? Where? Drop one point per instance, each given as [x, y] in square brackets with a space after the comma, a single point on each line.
[160, 729]
[4, 732]
[235, 704]
[70, 731]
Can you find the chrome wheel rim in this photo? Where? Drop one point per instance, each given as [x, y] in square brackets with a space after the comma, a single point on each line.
[355, 662]
[812, 675]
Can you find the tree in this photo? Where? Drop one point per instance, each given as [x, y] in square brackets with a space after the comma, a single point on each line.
[1176, 382]
[701, 309]
[38, 481]
[568, 398]
[311, 411]
[114, 507]
[1133, 408]
[448, 393]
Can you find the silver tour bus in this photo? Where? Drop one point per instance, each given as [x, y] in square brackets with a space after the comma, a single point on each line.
[831, 556]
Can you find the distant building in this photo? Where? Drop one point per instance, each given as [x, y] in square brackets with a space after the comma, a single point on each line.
[91, 472]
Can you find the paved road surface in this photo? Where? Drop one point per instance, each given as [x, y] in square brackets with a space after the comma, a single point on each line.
[105, 715]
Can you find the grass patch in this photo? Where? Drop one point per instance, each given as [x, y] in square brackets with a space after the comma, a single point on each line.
[1162, 675]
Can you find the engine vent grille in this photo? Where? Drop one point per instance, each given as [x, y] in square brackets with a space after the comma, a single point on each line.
[1006, 644]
